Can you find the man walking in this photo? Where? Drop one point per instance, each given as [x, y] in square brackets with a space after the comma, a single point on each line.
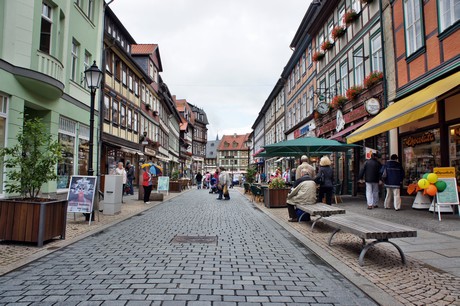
[393, 176]
[371, 174]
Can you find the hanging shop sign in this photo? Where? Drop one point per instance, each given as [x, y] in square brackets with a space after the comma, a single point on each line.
[340, 121]
[372, 106]
[150, 151]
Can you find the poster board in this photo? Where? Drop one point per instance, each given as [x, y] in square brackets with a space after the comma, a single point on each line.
[163, 184]
[81, 194]
[450, 194]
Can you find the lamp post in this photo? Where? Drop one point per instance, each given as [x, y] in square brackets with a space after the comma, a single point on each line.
[93, 77]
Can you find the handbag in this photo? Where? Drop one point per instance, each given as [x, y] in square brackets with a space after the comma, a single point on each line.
[320, 179]
[225, 190]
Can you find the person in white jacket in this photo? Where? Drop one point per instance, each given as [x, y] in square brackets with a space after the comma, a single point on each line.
[224, 184]
[303, 192]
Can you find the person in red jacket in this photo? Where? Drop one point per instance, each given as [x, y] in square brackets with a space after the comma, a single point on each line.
[147, 182]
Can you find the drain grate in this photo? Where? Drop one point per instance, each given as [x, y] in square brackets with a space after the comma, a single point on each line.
[195, 239]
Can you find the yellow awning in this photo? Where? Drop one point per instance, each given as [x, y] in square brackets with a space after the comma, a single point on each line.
[416, 106]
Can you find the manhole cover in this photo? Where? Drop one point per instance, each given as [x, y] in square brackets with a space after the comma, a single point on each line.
[195, 239]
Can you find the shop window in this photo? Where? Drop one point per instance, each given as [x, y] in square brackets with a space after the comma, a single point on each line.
[421, 153]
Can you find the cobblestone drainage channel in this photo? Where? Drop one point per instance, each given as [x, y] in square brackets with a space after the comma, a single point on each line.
[195, 239]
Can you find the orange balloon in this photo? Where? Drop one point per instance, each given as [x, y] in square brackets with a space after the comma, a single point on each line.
[431, 190]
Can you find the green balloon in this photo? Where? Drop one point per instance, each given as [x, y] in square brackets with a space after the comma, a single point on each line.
[425, 176]
[441, 185]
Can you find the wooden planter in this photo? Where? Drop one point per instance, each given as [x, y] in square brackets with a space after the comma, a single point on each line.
[32, 221]
[275, 197]
[175, 186]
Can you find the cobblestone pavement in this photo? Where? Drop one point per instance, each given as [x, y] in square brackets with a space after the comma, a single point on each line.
[413, 284]
[142, 261]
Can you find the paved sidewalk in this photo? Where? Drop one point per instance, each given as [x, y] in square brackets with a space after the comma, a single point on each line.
[383, 277]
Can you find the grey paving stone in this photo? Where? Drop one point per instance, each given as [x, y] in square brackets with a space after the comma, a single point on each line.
[255, 262]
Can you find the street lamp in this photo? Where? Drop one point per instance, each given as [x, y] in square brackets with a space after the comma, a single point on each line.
[93, 77]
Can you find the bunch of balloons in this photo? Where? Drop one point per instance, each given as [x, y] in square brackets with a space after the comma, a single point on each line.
[430, 184]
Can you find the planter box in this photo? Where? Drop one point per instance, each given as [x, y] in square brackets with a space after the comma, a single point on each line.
[175, 186]
[32, 221]
[275, 197]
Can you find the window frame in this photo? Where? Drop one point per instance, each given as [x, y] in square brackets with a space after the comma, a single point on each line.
[343, 88]
[358, 56]
[417, 23]
[74, 62]
[377, 35]
[49, 19]
[441, 26]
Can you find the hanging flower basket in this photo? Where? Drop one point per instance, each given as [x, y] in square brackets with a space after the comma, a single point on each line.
[317, 56]
[326, 45]
[338, 31]
[350, 16]
[338, 101]
[373, 78]
[353, 92]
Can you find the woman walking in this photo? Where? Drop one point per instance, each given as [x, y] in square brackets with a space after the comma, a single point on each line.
[325, 179]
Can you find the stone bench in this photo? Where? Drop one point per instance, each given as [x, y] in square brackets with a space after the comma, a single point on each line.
[370, 228]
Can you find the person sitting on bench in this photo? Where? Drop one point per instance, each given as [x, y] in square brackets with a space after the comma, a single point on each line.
[303, 192]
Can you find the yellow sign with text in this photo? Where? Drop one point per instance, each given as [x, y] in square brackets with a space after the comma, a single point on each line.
[444, 171]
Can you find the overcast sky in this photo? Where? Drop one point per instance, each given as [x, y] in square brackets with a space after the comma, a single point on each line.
[223, 56]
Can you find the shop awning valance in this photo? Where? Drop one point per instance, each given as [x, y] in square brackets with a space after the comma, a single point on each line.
[416, 106]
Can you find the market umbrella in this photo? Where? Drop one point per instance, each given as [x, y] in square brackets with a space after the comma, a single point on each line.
[308, 146]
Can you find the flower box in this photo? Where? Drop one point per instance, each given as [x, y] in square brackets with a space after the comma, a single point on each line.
[338, 101]
[317, 56]
[350, 16]
[326, 45]
[373, 78]
[353, 92]
[274, 198]
[338, 31]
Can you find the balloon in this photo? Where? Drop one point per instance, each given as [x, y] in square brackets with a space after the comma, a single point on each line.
[423, 183]
[432, 178]
[431, 190]
[441, 186]
[425, 176]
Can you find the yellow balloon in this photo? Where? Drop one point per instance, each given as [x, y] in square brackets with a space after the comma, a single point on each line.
[432, 178]
[423, 183]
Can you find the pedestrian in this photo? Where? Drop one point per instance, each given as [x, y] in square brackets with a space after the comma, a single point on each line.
[306, 165]
[223, 185]
[325, 179]
[120, 170]
[207, 180]
[147, 183]
[287, 176]
[392, 176]
[198, 178]
[370, 172]
[303, 192]
[130, 178]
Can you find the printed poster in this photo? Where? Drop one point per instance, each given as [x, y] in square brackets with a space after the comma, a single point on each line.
[81, 194]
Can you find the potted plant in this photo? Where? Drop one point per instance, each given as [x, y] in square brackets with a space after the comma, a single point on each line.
[338, 101]
[373, 78]
[317, 56]
[353, 92]
[174, 183]
[276, 193]
[338, 31]
[30, 163]
[326, 45]
[350, 16]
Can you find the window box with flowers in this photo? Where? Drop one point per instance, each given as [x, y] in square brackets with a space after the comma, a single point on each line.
[326, 45]
[317, 56]
[350, 16]
[373, 78]
[338, 31]
[338, 101]
[353, 92]
[276, 193]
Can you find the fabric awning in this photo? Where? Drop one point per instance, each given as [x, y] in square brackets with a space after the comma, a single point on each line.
[418, 105]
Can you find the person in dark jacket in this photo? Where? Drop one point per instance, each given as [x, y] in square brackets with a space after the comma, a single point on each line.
[371, 174]
[393, 176]
[325, 178]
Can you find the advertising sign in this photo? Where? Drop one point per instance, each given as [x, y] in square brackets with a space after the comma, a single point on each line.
[81, 194]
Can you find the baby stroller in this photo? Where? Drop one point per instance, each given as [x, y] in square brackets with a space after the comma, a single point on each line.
[213, 186]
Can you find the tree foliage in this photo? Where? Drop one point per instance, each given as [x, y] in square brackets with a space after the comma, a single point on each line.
[32, 161]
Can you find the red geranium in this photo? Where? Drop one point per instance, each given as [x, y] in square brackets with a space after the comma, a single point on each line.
[354, 91]
[373, 78]
[326, 45]
[338, 31]
[350, 16]
[338, 101]
[317, 56]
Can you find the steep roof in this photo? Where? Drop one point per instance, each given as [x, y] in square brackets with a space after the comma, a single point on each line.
[233, 142]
